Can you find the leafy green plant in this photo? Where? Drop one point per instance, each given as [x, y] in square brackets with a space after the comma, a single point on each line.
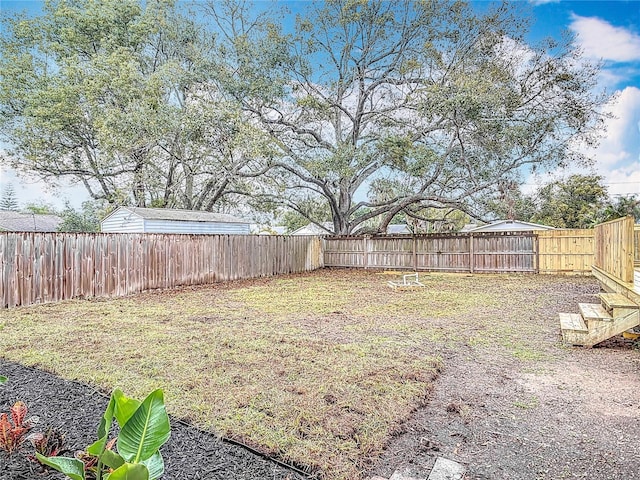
[14, 427]
[3, 379]
[144, 428]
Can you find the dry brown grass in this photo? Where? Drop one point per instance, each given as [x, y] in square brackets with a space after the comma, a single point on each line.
[319, 369]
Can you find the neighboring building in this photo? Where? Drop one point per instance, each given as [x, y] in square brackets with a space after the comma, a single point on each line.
[505, 226]
[396, 229]
[28, 222]
[165, 220]
[313, 229]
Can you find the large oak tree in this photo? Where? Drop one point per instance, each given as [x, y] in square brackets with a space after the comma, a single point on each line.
[377, 108]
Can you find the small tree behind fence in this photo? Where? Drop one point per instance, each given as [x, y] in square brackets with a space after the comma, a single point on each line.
[47, 267]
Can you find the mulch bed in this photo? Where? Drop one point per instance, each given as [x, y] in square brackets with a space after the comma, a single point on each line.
[76, 410]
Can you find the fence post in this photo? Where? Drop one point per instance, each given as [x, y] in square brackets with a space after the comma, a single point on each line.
[536, 253]
[365, 251]
[471, 256]
[415, 253]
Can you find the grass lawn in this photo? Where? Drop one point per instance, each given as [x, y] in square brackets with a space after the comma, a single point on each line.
[318, 369]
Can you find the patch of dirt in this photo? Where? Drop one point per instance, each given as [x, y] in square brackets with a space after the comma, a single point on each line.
[76, 409]
[573, 415]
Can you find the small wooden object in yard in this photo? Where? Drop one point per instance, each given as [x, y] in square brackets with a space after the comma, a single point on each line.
[409, 281]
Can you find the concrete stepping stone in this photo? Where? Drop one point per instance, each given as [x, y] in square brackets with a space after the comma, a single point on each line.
[443, 469]
[446, 470]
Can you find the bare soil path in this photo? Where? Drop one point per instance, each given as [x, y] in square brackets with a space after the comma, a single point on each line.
[575, 415]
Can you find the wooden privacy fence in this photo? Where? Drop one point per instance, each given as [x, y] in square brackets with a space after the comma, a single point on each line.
[614, 248]
[548, 252]
[565, 251]
[480, 252]
[46, 267]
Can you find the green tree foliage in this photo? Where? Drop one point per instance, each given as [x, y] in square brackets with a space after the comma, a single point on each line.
[577, 202]
[116, 94]
[420, 104]
[40, 208]
[86, 219]
[621, 207]
[509, 203]
[8, 200]
[365, 110]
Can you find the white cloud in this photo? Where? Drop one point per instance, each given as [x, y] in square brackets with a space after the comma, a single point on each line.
[617, 157]
[600, 39]
[621, 145]
[624, 180]
[543, 2]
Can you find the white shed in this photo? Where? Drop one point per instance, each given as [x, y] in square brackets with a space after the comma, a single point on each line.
[165, 220]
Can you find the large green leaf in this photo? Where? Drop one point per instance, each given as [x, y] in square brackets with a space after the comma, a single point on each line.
[155, 465]
[71, 467]
[146, 431]
[98, 446]
[125, 407]
[130, 471]
[111, 459]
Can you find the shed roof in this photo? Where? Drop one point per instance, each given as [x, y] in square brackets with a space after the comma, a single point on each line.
[28, 222]
[313, 229]
[180, 215]
[397, 228]
[509, 226]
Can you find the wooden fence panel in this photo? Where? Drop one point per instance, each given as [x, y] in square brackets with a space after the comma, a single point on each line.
[390, 252]
[485, 252]
[346, 252]
[614, 248]
[505, 252]
[448, 253]
[566, 251]
[47, 267]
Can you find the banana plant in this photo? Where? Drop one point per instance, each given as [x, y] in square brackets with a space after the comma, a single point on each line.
[144, 428]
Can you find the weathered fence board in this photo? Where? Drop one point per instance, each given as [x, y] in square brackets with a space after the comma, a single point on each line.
[565, 251]
[481, 252]
[47, 267]
[614, 248]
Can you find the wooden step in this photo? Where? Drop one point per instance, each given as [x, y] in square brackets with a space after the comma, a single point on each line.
[594, 311]
[617, 300]
[574, 330]
[573, 322]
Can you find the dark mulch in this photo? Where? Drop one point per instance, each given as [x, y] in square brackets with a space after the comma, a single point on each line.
[76, 409]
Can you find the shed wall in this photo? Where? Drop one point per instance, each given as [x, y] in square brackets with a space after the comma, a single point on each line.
[122, 221]
[170, 226]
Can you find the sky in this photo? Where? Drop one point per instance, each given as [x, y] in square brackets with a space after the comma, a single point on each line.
[608, 31]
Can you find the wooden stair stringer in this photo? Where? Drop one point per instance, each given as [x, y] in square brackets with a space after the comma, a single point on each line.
[604, 331]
